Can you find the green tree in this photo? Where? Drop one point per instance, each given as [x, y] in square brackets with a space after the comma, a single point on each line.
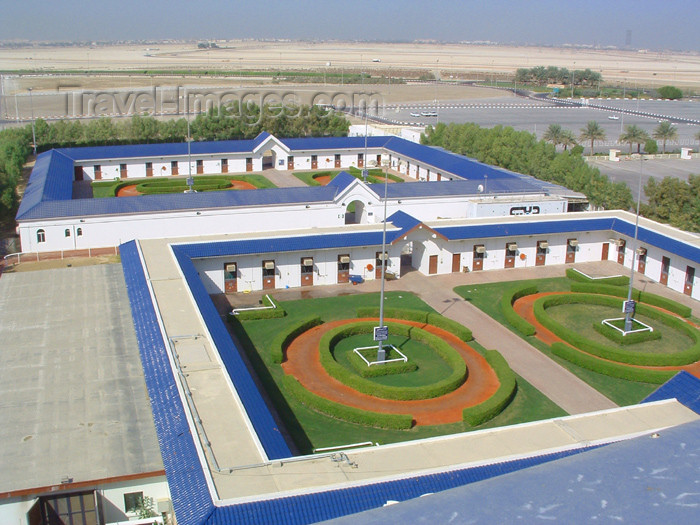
[674, 201]
[671, 92]
[651, 147]
[568, 139]
[634, 135]
[663, 132]
[553, 134]
[592, 132]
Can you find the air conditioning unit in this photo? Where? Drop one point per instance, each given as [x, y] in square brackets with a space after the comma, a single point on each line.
[307, 261]
[269, 265]
[380, 257]
[480, 249]
[573, 242]
[344, 259]
[512, 247]
[544, 245]
[164, 505]
[641, 251]
[231, 267]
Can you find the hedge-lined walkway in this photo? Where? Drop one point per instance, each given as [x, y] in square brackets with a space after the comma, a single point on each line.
[524, 307]
[303, 362]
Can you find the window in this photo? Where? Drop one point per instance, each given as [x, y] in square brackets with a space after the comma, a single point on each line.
[40, 236]
[67, 232]
[79, 232]
[268, 268]
[132, 501]
[307, 265]
[344, 263]
[77, 508]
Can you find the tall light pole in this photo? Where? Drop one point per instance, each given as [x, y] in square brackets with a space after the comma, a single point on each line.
[381, 353]
[629, 306]
[31, 104]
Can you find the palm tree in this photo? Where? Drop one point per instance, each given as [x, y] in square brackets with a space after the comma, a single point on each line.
[697, 136]
[592, 132]
[567, 139]
[553, 134]
[665, 131]
[634, 135]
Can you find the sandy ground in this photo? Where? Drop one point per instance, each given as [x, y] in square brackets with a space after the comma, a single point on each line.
[470, 61]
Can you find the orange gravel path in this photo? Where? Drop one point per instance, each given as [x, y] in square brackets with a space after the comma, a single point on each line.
[130, 190]
[303, 362]
[323, 180]
[524, 308]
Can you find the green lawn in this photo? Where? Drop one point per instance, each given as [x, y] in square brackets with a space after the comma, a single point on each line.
[579, 317]
[160, 185]
[487, 296]
[309, 178]
[431, 367]
[310, 429]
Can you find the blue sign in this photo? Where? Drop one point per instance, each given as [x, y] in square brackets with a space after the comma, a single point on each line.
[628, 307]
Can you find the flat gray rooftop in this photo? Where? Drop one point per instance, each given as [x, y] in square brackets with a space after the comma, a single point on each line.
[73, 400]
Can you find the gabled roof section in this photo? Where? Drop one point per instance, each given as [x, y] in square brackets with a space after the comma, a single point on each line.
[265, 141]
[341, 181]
[51, 181]
[407, 223]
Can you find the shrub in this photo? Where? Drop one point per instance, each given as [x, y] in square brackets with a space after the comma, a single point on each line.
[279, 344]
[347, 377]
[270, 313]
[609, 368]
[398, 367]
[684, 357]
[486, 410]
[420, 316]
[507, 300]
[637, 295]
[629, 339]
[671, 92]
[346, 413]
[617, 280]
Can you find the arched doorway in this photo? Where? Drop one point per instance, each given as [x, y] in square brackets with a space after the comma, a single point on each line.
[356, 213]
[269, 160]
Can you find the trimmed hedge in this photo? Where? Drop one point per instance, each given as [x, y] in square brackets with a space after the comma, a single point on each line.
[609, 368]
[486, 410]
[637, 295]
[398, 367]
[347, 377]
[629, 339]
[619, 280]
[346, 413]
[270, 313]
[684, 357]
[507, 300]
[420, 316]
[279, 344]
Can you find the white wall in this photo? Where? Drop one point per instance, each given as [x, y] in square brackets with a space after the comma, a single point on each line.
[13, 511]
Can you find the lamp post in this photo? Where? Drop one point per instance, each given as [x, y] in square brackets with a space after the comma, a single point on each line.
[629, 305]
[31, 105]
[381, 353]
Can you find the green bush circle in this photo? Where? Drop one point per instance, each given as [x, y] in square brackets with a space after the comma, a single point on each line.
[349, 378]
[632, 357]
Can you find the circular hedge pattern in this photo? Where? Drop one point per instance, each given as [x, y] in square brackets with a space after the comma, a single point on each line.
[621, 355]
[350, 378]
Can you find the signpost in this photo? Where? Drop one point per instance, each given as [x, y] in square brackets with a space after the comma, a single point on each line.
[381, 333]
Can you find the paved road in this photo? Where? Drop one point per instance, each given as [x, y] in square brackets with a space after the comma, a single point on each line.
[561, 386]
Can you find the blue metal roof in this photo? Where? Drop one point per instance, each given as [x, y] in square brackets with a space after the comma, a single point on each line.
[177, 202]
[480, 231]
[640, 480]
[341, 181]
[647, 236]
[683, 386]
[332, 504]
[258, 412]
[283, 244]
[53, 181]
[188, 487]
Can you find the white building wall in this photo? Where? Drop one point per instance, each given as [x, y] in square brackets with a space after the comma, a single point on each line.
[13, 511]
